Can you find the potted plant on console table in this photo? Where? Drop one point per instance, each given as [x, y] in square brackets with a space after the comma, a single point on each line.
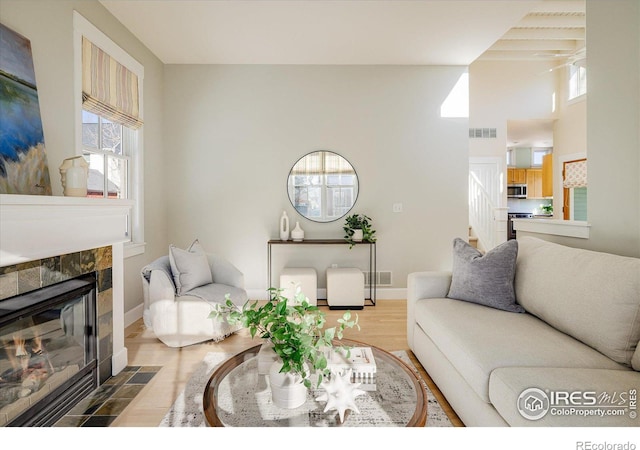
[358, 229]
[295, 331]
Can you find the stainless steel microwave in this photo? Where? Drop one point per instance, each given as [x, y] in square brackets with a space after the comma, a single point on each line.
[517, 191]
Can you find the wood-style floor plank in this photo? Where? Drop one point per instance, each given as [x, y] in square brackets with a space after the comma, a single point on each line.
[383, 325]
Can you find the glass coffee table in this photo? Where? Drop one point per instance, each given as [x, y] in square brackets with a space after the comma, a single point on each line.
[237, 396]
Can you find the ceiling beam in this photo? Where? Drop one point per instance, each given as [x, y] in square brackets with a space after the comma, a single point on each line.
[534, 45]
[490, 55]
[554, 6]
[576, 34]
[561, 21]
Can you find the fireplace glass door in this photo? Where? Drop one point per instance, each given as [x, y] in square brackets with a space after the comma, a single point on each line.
[47, 344]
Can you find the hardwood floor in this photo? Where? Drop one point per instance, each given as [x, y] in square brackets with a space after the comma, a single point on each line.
[383, 325]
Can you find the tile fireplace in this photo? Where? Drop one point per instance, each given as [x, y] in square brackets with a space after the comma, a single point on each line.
[48, 354]
[45, 244]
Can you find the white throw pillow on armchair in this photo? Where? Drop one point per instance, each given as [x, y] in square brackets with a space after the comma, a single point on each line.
[190, 268]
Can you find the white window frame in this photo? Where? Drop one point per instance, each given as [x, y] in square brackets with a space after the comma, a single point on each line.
[82, 27]
[541, 151]
[582, 89]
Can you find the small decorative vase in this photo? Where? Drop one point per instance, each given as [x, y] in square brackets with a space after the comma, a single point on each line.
[287, 389]
[74, 173]
[357, 235]
[297, 234]
[284, 226]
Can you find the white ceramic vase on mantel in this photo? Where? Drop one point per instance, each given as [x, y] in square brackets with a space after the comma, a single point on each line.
[74, 174]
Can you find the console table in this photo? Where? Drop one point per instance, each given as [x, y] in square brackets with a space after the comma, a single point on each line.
[371, 300]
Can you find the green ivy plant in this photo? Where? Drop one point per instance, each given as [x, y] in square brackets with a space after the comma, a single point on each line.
[358, 222]
[295, 328]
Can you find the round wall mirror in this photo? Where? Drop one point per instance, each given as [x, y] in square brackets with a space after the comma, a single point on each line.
[322, 186]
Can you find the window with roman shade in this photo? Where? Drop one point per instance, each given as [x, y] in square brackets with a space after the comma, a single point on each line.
[109, 94]
[575, 174]
[109, 89]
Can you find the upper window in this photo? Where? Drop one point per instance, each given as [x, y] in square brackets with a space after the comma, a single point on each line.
[577, 81]
[537, 154]
[109, 89]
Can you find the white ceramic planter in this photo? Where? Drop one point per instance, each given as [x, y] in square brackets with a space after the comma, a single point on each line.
[287, 389]
[357, 235]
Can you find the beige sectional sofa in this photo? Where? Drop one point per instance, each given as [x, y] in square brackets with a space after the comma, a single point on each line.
[571, 359]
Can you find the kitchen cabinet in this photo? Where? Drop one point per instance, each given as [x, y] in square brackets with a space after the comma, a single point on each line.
[547, 175]
[516, 176]
[534, 183]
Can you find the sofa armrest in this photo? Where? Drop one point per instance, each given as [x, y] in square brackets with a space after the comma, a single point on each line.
[424, 285]
[223, 272]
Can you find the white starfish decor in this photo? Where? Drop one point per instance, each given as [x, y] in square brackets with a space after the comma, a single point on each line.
[340, 393]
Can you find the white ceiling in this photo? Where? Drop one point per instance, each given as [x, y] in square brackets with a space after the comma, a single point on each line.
[425, 32]
[449, 32]
[444, 32]
[530, 133]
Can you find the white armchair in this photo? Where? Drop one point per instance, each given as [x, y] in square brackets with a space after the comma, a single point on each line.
[181, 319]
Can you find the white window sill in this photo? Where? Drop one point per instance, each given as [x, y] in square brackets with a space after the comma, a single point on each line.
[134, 249]
[578, 99]
[570, 228]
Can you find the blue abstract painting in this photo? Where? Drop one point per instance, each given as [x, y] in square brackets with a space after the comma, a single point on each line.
[23, 160]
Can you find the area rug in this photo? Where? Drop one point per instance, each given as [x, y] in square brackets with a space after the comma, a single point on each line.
[187, 409]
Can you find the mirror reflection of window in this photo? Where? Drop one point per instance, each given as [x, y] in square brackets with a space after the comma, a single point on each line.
[323, 186]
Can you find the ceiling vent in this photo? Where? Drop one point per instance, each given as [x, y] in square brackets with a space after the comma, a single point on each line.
[482, 133]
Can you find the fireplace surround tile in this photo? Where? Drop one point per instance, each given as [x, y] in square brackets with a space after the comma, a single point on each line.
[29, 279]
[104, 405]
[70, 264]
[105, 279]
[105, 302]
[28, 276]
[103, 257]
[51, 272]
[8, 285]
[87, 261]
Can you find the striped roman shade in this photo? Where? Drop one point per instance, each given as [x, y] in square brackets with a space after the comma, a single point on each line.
[322, 162]
[575, 174]
[109, 89]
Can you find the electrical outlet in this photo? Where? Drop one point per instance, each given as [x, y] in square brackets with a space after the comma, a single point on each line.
[397, 207]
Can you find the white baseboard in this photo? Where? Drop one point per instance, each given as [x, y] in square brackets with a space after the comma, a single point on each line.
[133, 314]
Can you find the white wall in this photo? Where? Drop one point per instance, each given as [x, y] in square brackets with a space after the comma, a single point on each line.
[613, 42]
[613, 142]
[232, 134]
[49, 27]
[500, 91]
[507, 90]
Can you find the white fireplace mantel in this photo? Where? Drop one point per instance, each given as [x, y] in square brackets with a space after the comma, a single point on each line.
[34, 227]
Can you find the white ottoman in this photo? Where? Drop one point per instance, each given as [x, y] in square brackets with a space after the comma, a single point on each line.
[305, 277]
[345, 288]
